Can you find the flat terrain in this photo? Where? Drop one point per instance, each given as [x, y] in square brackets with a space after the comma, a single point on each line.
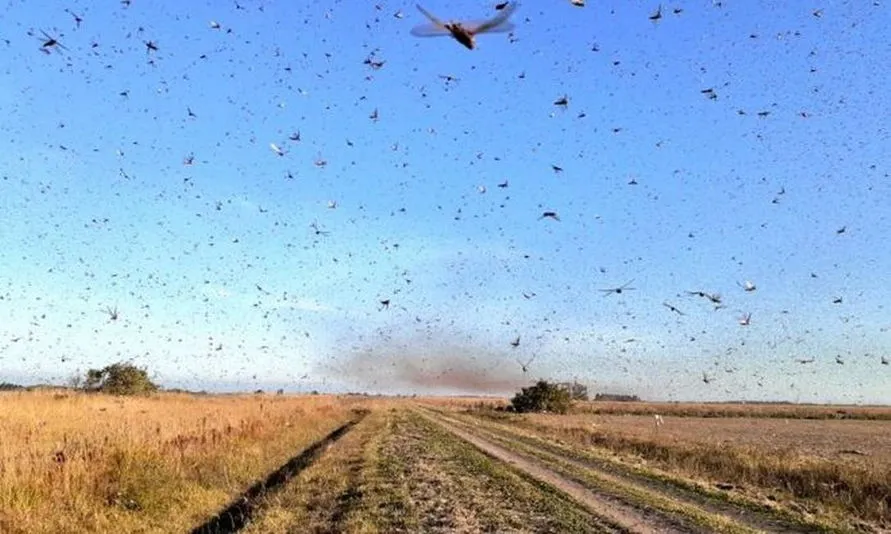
[259, 463]
[850, 441]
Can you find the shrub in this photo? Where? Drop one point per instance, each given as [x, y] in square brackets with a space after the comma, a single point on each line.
[542, 397]
[119, 379]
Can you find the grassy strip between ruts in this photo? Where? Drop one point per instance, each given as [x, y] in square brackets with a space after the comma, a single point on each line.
[695, 509]
[324, 496]
[400, 473]
[461, 488]
[786, 507]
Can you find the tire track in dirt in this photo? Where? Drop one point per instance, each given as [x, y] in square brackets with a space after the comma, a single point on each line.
[432, 481]
[239, 513]
[759, 520]
[630, 518]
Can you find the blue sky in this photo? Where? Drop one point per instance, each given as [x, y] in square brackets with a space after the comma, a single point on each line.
[222, 282]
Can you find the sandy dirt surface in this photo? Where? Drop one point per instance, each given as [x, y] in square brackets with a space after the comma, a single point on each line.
[627, 517]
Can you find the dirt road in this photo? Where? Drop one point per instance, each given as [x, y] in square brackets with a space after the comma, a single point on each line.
[634, 502]
[418, 469]
[632, 519]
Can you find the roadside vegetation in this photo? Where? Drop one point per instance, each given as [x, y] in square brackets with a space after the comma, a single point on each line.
[542, 397]
[768, 466]
[77, 462]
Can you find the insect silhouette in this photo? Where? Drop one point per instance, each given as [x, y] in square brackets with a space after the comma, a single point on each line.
[464, 32]
[515, 343]
[618, 290]
[657, 15]
[113, 313]
[77, 18]
[49, 42]
[672, 308]
[748, 286]
[525, 366]
[715, 298]
[318, 230]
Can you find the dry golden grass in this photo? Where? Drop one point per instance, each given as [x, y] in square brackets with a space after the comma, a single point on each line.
[809, 461]
[463, 403]
[73, 462]
[397, 472]
[690, 409]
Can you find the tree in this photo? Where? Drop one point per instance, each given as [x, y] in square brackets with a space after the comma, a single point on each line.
[542, 397]
[119, 379]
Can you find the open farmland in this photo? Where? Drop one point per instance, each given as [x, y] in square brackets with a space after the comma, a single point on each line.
[812, 466]
[659, 228]
[95, 463]
[259, 463]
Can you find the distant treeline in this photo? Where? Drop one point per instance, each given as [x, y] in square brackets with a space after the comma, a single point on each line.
[614, 397]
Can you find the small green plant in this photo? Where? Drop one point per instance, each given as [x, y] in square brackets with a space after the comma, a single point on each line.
[119, 379]
[542, 397]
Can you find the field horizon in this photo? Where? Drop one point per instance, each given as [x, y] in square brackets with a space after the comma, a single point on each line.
[174, 461]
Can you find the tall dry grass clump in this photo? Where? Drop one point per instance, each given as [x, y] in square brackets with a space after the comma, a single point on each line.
[72, 462]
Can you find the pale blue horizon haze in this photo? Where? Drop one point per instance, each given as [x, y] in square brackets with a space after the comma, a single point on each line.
[420, 177]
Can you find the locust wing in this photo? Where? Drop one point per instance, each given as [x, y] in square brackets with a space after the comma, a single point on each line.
[498, 23]
[435, 29]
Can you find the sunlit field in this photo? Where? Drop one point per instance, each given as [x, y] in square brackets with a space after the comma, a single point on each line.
[766, 410]
[836, 458]
[77, 462]
[72, 462]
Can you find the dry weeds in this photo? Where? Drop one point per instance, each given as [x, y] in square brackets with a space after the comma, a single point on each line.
[399, 473]
[77, 462]
[798, 460]
[424, 479]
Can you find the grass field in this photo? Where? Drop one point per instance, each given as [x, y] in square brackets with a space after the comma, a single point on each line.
[94, 463]
[73, 462]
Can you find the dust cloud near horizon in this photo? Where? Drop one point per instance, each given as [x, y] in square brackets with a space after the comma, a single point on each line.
[416, 367]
